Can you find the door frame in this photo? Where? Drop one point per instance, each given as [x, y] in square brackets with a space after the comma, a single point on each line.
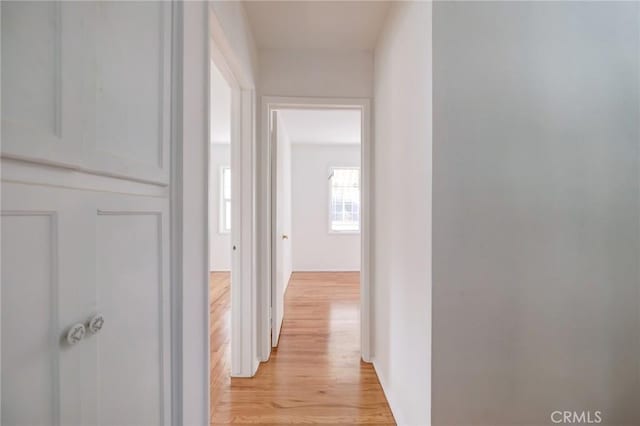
[267, 228]
[243, 363]
[195, 27]
[217, 59]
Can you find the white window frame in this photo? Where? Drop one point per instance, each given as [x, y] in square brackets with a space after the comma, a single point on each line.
[222, 204]
[329, 199]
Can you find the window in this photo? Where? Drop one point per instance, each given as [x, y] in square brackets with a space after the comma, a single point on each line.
[225, 200]
[344, 199]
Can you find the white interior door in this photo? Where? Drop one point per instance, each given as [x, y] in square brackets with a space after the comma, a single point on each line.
[85, 98]
[282, 227]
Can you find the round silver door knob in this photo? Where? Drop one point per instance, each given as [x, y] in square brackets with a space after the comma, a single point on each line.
[75, 333]
[96, 323]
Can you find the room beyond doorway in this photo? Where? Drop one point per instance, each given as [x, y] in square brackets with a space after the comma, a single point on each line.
[277, 236]
[315, 196]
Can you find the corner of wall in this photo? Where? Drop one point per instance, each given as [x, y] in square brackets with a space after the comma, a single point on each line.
[401, 329]
[394, 402]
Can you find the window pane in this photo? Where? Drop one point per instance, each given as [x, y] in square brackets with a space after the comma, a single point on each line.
[227, 217]
[344, 206]
[225, 199]
[226, 183]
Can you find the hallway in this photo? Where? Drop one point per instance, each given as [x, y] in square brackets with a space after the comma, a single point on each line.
[315, 375]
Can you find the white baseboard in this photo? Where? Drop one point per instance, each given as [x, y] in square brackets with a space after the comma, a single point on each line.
[393, 403]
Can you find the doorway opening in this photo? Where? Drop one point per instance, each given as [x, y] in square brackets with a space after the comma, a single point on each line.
[230, 290]
[220, 228]
[319, 168]
[220, 219]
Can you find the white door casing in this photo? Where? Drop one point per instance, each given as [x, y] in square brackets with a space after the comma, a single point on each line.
[244, 360]
[85, 98]
[267, 223]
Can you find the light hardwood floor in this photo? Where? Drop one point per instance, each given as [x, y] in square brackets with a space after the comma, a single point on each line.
[315, 375]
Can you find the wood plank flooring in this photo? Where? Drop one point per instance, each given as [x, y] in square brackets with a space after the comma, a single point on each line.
[315, 376]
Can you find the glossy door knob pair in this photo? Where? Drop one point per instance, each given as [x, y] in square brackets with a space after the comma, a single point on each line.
[77, 331]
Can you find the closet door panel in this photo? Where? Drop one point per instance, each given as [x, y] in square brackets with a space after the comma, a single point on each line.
[132, 293]
[132, 88]
[86, 86]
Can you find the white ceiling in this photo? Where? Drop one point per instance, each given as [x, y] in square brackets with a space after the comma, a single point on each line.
[321, 126]
[220, 107]
[316, 24]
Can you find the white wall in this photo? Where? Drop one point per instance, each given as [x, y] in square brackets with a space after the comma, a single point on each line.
[314, 248]
[316, 72]
[536, 236]
[232, 18]
[220, 130]
[220, 137]
[402, 212]
[219, 243]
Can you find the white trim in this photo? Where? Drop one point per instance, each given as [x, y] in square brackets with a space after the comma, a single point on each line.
[244, 361]
[194, 27]
[394, 405]
[269, 104]
[189, 224]
[18, 171]
[175, 217]
[1, 174]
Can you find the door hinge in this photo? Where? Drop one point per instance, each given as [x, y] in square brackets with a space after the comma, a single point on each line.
[270, 310]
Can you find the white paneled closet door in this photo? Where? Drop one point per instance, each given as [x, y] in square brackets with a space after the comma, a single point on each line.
[85, 213]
